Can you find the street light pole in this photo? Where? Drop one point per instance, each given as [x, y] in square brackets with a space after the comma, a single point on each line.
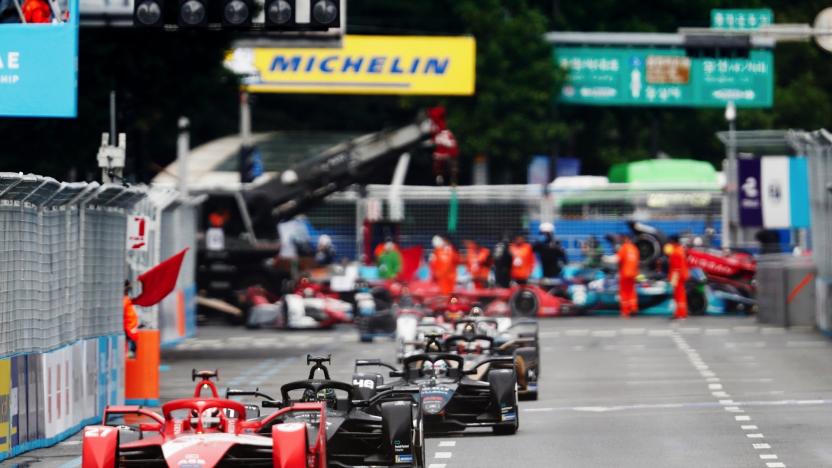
[729, 199]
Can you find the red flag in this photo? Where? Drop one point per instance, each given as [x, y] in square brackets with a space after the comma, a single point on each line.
[411, 258]
[159, 281]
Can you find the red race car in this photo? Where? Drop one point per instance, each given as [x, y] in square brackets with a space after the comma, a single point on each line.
[206, 432]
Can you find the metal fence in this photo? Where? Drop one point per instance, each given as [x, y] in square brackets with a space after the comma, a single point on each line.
[415, 214]
[62, 250]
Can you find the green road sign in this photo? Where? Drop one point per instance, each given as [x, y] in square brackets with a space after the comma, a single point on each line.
[611, 76]
[741, 19]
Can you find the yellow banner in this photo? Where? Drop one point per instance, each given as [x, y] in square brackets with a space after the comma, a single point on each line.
[364, 65]
[5, 405]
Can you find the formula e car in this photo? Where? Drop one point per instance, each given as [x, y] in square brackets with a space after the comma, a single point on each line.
[383, 429]
[296, 311]
[204, 433]
[452, 396]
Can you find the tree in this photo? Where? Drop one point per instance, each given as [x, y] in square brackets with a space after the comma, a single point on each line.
[511, 117]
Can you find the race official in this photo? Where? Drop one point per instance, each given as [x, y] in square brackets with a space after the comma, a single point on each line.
[477, 261]
[551, 253]
[443, 262]
[628, 260]
[502, 262]
[131, 320]
[678, 275]
[522, 260]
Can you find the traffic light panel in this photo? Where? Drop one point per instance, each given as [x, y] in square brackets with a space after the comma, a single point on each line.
[280, 15]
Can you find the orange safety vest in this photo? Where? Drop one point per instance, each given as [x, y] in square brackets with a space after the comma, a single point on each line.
[131, 319]
[679, 262]
[522, 262]
[476, 259]
[628, 259]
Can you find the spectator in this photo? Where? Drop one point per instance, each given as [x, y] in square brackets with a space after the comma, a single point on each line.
[551, 253]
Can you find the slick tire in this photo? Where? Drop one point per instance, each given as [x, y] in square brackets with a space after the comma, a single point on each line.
[504, 388]
[649, 248]
[524, 303]
[697, 302]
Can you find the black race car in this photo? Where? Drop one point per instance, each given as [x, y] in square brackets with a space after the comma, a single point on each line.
[384, 429]
[480, 338]
[452, 396]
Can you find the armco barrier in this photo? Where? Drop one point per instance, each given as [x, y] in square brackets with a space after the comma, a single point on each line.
[62, 267]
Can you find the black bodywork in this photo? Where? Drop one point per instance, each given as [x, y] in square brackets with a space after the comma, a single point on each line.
[382, 430]
[453, 397]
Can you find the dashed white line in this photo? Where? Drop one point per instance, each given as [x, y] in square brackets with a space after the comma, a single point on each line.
[447, 443]
[443, 455]
[749, 427]
[768, 456]
[742, 417]
[761, 446]
[632, 331]
[436, 465]
[755, 435]
[776, 465]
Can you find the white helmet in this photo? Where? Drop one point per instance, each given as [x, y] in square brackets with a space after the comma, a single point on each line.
[324, 240]
[547, 227]
[437, 242]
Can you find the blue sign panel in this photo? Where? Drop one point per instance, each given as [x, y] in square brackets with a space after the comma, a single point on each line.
[39, 68]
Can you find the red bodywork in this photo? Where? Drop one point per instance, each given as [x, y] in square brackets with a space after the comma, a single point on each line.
[495, 301]
[735, 268]
[202, 441]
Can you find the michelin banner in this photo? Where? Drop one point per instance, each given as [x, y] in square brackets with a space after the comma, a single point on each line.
[39, 67]
[774, 192]
[363, 65]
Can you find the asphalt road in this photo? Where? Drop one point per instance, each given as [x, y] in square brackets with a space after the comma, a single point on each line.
[709, 392]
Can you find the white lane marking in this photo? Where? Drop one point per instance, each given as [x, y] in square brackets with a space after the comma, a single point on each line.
[716, 331]
[745, 344]
[577, 332]
[734, 409]
[746, 328]
[756, 435]
[768, 456]
[726, 402]
[68, 443]
[659, 332]
[776, 465]
[805, 344]
[436, 465]
[761, 446]
[720, 394]
[715, 386]
[447, 443]
[690, 330]
[749, 427]
[604, 333]
[632, 331]
[707, 373]
[712, 379]
[443, 455]
[742, 417]
[772, 331]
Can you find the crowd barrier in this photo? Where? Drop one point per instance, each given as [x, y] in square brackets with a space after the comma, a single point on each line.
[62, 265]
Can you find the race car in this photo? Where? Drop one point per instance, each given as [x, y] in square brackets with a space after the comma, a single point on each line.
[296, 311]
[383, 429]
[481, 337]
[452, 396]
[204, 433]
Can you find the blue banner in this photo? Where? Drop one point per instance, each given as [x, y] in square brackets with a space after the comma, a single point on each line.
[39, 68]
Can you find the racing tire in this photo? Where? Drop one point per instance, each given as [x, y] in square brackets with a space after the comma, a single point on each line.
[697, 301]
[524, 303]
[649, 248]
[529, 365]
[504, 388]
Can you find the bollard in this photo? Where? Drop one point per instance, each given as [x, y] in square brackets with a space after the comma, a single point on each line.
[141, 379]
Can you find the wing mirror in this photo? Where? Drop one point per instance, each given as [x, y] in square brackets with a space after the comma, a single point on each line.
[470, 371]
[396, 374]
[150, 427]
[272, 404]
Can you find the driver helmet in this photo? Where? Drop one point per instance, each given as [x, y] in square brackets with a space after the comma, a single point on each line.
[327, 395]
[308, 292]
[427, 367]
[309, 396]
[440, 368]
[476, 311]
